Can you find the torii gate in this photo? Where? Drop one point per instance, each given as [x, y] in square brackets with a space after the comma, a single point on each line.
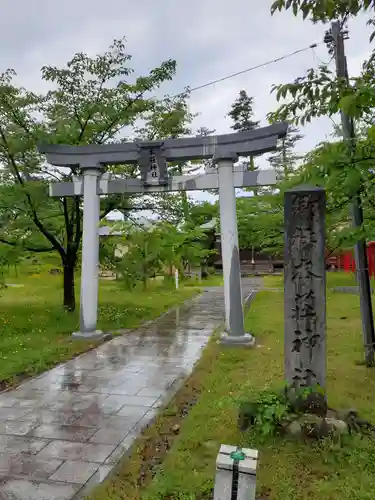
[152, 158]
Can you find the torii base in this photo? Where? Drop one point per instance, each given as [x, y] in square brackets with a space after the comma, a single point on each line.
[246, 340]
[95, 335]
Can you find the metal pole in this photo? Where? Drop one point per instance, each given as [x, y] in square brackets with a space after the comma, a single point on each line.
[360, 250]
[90, 256]
[234, 319]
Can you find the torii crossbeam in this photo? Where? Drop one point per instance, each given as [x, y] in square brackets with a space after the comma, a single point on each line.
[152, 158]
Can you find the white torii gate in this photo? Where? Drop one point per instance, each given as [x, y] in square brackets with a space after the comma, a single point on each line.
[152, 158]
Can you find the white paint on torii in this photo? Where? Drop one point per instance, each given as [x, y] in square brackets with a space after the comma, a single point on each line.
[95, 182]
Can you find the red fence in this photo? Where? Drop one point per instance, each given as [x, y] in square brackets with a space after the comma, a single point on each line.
[345, 260]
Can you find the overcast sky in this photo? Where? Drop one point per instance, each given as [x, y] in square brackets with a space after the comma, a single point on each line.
[208, 38]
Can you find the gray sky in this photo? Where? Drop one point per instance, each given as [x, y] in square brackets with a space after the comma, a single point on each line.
[208, 38]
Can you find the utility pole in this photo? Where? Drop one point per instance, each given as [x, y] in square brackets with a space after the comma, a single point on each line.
[336, 37]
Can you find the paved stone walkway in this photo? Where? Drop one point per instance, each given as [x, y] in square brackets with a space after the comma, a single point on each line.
[62, 432]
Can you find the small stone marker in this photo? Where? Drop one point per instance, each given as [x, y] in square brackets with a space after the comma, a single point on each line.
[235, 473]
[305, 287]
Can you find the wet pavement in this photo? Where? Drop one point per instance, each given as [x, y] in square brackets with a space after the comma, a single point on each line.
[62, 432]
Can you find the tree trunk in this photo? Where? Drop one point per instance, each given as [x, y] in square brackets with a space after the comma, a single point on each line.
[69, 288]
[144, 282]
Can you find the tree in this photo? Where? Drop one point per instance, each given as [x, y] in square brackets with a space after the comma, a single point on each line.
[158, 250]
[9, 257]
[284, 160]
[107, 253]
[93, 100]
[345, 168]
[261, 222]
[142, 259]
[203, 212]
[241, 114]
[324, 10]
[330, 166]
[320, 92]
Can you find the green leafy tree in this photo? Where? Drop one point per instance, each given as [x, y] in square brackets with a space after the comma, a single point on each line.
[330, 166]
[142, 258]
[320, 92]
[261, 223]
[285, 159]
[325, 10]
[203, 212]
[344, 168]
[159, 250]
[242, 113]
[182, 248]
[107, 253]
[247, 213]
[10, 256]
[93, 100]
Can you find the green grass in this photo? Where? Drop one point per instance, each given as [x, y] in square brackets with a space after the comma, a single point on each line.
[333, 279]
[35, 331]
[288, 470]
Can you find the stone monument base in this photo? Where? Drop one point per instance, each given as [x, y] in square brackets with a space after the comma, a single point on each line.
[246, 340]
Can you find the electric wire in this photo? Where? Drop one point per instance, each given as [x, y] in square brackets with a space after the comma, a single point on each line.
[247, 70]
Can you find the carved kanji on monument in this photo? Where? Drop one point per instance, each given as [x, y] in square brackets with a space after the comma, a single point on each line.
[305, 287]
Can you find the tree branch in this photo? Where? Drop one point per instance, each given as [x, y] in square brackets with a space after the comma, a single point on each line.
[15, 114]
[102, 137]
[90, 114]
[330, 252]
[54, 242]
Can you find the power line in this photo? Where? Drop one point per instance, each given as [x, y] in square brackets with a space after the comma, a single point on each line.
[247, 70]
[317, 58]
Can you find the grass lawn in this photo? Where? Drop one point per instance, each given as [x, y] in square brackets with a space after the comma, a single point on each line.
[288, 470]
[35, 332]
[333, 279]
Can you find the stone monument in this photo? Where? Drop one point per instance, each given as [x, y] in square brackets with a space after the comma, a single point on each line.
[305, 288]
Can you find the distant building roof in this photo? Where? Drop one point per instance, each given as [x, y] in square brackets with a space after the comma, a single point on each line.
[109, 231]
[210, 224]
[141, 222]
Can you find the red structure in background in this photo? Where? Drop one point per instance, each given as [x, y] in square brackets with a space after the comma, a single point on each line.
[346, 262]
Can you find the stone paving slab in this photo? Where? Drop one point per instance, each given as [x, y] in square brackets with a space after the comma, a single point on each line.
[63, 431]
